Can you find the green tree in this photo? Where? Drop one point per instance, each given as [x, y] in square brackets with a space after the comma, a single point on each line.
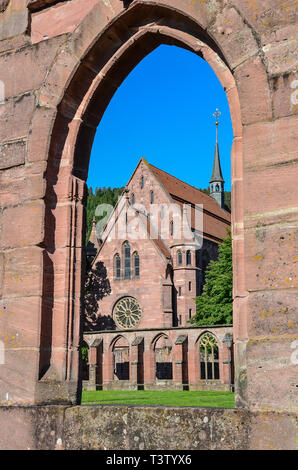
[99, 196]
[227, 199]
[215, 305]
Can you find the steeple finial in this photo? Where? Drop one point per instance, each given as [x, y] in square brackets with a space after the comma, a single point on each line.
[216, 115]
[217, 181]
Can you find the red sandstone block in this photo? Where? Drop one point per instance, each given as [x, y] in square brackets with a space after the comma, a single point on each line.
[26, 69]
[1, 273]
[267, 433]
[272, 313]
[270, 369]
[271, 258]
[10, 175]
[12, 154]
[20, 319]
[265, 17]
[253, 88]
[281, 57]
[14, 191]
[275, 186]
[14, 20]
[270, 142]
[15, 117]
[23, 272]
[285, 94]
[235, 37]
[18, 377]
[64, 18]
[22, 225]
[57, 79]
[14, 43]
[40, 134]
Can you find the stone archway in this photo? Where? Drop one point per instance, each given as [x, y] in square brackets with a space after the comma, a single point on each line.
[73, 83]
[80, 111]
[163, 360]
[121, 359]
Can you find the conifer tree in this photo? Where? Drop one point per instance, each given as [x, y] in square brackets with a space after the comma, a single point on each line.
[215, 305]
[100, 196]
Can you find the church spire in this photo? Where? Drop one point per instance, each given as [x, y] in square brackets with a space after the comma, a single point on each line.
[217, 181]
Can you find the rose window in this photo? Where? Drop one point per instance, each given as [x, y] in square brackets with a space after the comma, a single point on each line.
[127, 313]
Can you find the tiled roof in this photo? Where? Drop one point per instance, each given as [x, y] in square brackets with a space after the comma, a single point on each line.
[215, 219]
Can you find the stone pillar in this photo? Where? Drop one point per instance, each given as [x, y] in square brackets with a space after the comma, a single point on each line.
[133, 378]
[62, 295]
[93, 365]
[149, 367]
[178, 377]
[108, 368]
[135, 360]
[223, 364]
[179, 357]
[92, 376]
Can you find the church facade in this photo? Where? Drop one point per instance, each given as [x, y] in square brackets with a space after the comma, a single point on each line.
[149, 261]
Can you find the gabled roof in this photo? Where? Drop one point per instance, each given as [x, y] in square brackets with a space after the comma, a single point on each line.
[215, 219]
[157, 241]
[181, 190]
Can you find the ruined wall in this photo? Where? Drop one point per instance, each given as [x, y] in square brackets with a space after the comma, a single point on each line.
[59, 67]
[144, 428]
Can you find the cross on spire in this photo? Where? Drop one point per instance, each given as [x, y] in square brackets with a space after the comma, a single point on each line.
[216, 115]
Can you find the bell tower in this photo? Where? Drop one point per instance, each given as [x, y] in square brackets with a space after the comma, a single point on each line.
[217, 181]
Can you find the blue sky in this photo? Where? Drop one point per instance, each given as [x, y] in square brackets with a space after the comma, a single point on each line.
[163, 111]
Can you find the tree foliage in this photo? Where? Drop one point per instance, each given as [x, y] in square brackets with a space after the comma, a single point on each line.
[214, 305]
[100, 196]
[227, 197]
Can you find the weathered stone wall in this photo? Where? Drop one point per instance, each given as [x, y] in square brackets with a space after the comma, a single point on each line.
[60, 66]
[144, 428]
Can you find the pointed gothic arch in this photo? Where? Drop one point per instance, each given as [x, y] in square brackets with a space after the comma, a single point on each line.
[104, 57]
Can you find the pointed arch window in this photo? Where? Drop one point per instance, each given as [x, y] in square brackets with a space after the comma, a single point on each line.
[133, 199]
[179, 258]
[188, 257]
[142, 182]
[171, 228]
[136, 260]
[127, 260]
[151, 197]
[117, 266]
[209, 357]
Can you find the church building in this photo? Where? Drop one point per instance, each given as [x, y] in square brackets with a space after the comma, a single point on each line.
[149, 260]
